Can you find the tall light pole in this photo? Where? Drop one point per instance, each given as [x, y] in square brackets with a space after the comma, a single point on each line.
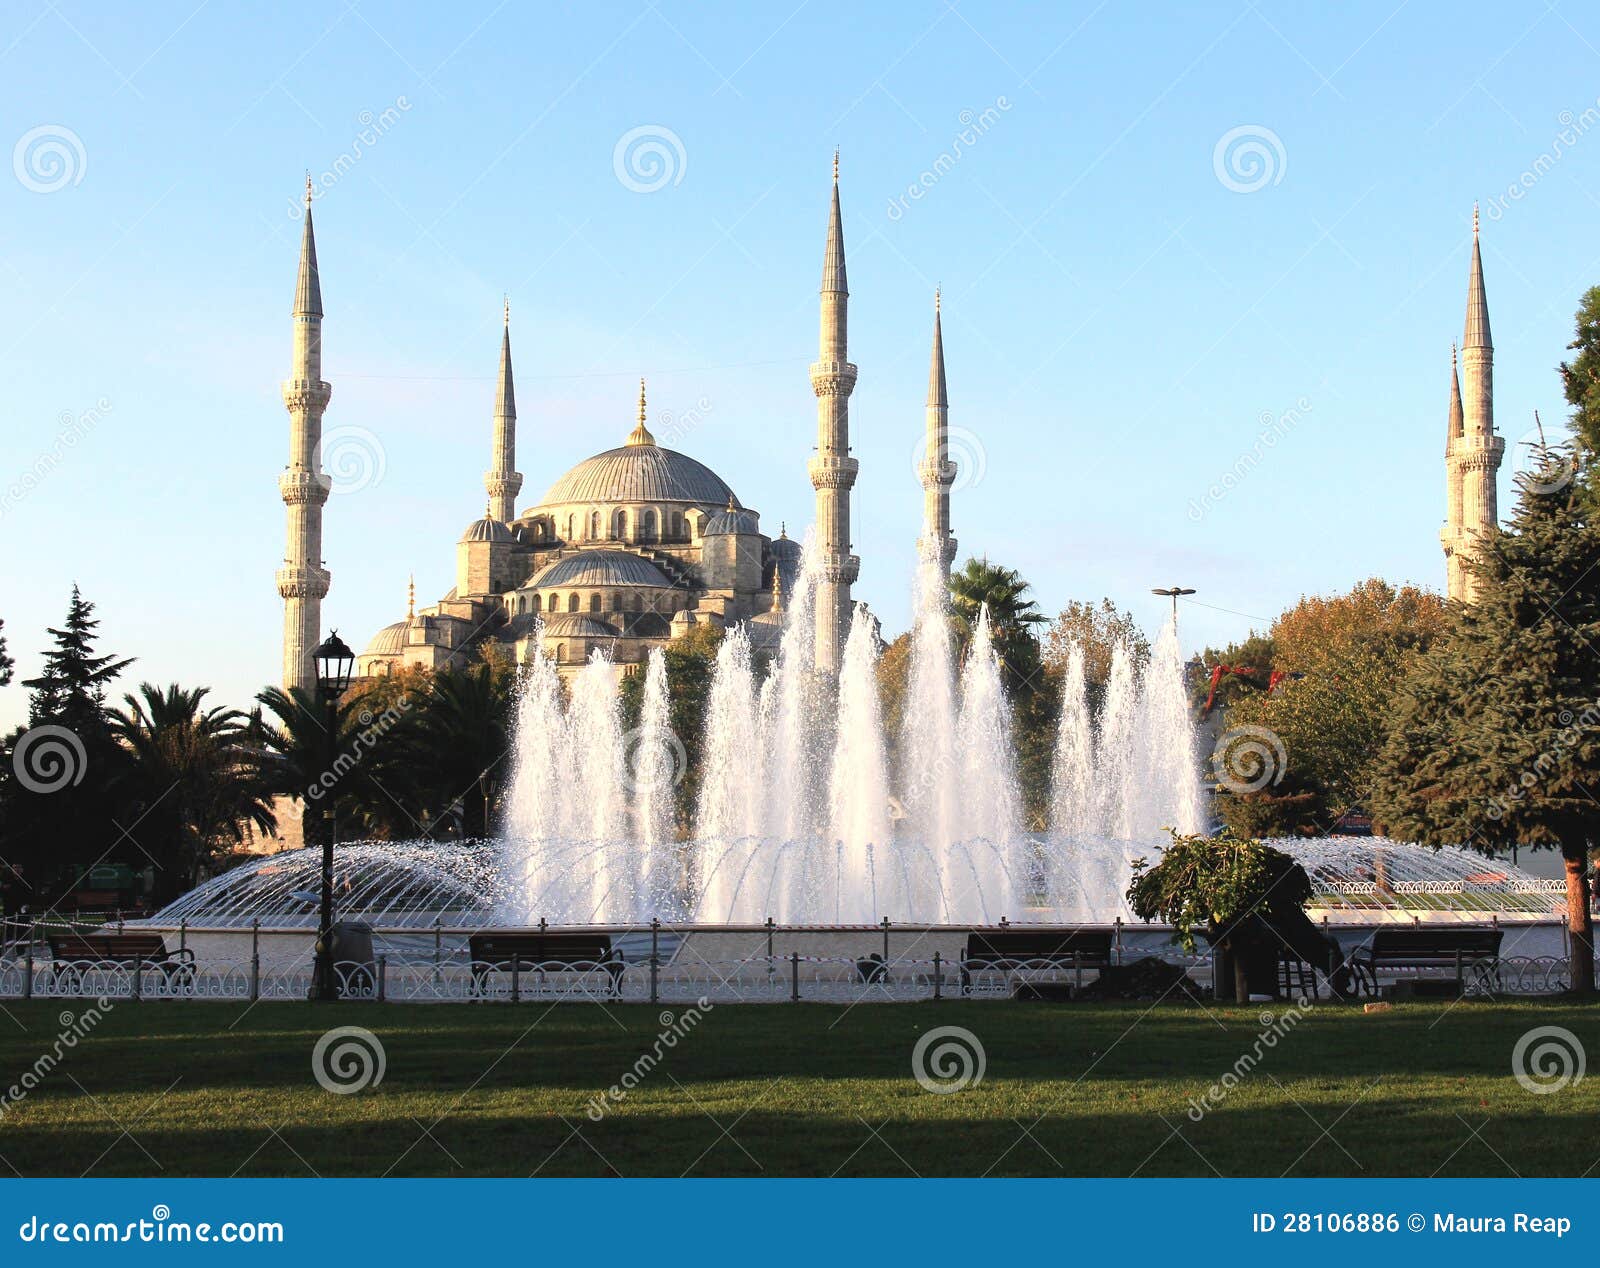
[334, 662]
[1173, 593]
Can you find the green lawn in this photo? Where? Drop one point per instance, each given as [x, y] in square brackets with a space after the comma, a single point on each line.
[214, 1089]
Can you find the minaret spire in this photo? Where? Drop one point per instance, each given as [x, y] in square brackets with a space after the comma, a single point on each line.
[1473, 458]
[503, 480]
[302, 581]
[936, 472]
[833, 470]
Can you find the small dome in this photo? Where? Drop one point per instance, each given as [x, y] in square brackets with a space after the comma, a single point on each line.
[576, 625]
[640, 473]
[730, 521]
[488, 529]
[389, 641]
[600, 568]
[785, 547]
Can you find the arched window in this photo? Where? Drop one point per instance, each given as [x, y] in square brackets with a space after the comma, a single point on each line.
[594, 602]
[594, 526]
[616, 600]
[619, 525]
[677, 526]
[561, 652]
[647, 526]
[638, 601]
[535, 607]
[569, 527]
[572, 602]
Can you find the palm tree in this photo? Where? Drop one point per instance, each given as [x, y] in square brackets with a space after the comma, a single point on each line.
[191, 777]
[1012, 616]
[457, 746]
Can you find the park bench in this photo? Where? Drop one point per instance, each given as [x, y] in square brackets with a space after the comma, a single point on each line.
[76, 950]
[520, 951]
[1011, 950]
[1462, 953]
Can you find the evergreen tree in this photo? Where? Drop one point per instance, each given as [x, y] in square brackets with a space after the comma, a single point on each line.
[71, 692]
[1495, 736]
[6, 663]
[64, 800]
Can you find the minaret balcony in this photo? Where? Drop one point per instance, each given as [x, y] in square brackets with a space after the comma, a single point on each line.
[837, 567]
[306, 394]
[298, 486]
[299, 582]
[934, 473]
[833, 473]
[833, 378]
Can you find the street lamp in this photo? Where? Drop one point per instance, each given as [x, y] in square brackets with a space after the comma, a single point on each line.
[334, 662]
[1173, 593]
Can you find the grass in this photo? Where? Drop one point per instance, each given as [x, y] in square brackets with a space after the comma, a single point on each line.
[806, 1090]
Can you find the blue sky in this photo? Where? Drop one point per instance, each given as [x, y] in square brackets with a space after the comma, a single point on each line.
[1126, 313]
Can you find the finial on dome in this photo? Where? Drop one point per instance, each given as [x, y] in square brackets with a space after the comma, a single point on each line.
[836, 165]
[640, 435]
[730, 500]
[783, 528]
[411, 597]
[777, 589]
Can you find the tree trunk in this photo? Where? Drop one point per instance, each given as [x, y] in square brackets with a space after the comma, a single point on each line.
[1580, 924]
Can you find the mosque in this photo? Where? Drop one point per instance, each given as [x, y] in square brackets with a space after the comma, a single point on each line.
[625, 551]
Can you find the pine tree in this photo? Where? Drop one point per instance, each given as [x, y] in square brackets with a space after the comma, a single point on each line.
[1495, 739]
[71, 692]
[6, 663]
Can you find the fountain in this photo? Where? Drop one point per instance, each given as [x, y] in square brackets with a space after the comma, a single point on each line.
[813, 813]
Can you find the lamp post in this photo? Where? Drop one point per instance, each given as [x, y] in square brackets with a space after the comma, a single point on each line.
[1173, 593]
[334, 662]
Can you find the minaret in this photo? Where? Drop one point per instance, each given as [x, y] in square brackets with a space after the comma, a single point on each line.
[303, 581]
[503, 480]
[833, 470]
[936, 470]
[1450, 534]
[1473, 460]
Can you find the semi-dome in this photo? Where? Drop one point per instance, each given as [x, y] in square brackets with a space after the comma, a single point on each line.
[389, 641]
[600, 568]
[488, 529]
[730, 521]
[576, 625]
[640, 473]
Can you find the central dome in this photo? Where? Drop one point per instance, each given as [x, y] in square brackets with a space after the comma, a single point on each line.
[640, 473]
